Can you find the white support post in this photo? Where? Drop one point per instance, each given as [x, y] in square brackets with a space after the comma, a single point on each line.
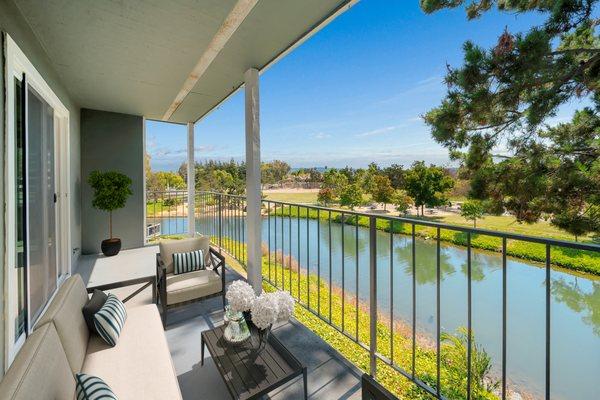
[253, 187]
[191, 180]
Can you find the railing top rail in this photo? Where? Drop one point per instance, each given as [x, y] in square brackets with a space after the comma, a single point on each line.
[413, 221]
[222, 194]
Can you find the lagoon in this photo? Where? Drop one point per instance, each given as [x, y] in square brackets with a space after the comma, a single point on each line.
[575, 301]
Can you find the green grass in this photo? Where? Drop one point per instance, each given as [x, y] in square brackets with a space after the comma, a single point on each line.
[578, 260]
[316, 294]
[503, 223]
[300, 197]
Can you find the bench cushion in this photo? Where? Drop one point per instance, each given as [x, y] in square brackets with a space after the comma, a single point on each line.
[168, 247]
[66, 313]
[140, 365]
[40, 371]
[192, 285]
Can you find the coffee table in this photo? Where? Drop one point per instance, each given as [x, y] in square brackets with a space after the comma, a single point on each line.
[247, 373]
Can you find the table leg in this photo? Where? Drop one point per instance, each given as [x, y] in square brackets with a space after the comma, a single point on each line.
[202, 351]
[305, 379]
[154, 300]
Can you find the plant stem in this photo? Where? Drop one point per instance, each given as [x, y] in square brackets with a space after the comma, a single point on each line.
[110, 225]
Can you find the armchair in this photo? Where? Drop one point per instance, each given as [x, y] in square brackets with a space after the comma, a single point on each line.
[190, 287]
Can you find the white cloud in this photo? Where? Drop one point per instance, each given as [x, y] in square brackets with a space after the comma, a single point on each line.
[379, 131]
[320, 135]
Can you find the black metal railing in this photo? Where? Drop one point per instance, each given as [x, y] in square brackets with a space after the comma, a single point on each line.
[166, 213]
[293, 232]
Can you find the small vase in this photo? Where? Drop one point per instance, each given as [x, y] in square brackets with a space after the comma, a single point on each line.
[263, 337]
[236, 329]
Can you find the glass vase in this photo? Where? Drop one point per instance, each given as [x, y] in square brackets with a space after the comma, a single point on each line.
[236, 329]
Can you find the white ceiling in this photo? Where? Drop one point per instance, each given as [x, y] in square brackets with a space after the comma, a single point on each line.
[133, 56]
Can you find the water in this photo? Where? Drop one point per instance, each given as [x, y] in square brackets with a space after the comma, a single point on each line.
[575, 303]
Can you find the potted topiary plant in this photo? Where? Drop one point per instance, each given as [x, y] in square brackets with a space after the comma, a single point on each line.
[111, 190]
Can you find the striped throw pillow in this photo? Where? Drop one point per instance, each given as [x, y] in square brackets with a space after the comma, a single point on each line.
[188, 262]
[89, 387]
[109, 321]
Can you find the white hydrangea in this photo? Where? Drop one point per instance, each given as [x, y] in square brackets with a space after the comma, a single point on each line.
[285, 305]
[265, 310]
[240, 296]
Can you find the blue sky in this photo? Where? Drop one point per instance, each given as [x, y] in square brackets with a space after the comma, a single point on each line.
[352, 94]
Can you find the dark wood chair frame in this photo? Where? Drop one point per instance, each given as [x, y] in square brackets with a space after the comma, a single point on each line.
[372, 390]
[217, 261]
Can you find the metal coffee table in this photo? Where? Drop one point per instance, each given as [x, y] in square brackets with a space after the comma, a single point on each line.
[249, 374]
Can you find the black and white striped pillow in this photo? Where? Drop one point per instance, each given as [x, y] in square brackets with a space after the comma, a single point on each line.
[89, 387]
[109, 321]
[188, 262]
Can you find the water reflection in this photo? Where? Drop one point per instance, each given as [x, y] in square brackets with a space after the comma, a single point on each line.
[579, 300]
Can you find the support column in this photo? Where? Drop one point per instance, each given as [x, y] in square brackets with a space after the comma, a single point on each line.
[253, 218]
[191, 180]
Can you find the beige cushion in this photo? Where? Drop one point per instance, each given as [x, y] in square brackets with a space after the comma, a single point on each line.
[40, 371]
[65, 312]
[139, 366]
[192, 285]
[168, 247]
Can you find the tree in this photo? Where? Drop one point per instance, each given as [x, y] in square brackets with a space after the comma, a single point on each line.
[472, 210]
[402, 201]
[382, 190]
[334, 180]
[504, 96]
[111, 190]
[428, 186]
[351, 196]
[274, 171]
[396, 174]
[325, 196]
[367, 178]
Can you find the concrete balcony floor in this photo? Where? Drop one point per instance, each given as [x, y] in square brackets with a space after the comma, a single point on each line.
[330, 376]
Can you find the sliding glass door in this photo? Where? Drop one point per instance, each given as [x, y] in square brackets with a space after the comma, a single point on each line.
[41, 195]
[37, 237]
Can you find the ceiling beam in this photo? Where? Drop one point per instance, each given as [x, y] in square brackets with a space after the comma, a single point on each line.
[236, 16]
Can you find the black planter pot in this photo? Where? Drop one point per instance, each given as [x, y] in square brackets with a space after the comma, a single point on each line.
[111, 247]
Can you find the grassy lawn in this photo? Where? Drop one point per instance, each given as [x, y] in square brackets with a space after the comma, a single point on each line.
[300, 197]
[504, 223]
[583, 261]
[500, 223]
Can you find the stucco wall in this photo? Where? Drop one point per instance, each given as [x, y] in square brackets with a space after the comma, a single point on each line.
[12, 22]
[112, 141]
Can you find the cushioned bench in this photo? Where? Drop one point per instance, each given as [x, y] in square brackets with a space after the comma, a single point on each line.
[138, 367]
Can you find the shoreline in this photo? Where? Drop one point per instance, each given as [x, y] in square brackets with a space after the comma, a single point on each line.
[583, 263]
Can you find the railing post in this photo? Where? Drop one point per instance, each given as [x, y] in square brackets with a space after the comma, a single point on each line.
[373, 294]
[220, 222]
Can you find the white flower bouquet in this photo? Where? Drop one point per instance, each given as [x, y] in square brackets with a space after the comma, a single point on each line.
[265, 310]
[240, 296]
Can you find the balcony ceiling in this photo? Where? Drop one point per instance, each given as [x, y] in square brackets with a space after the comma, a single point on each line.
[135, 56]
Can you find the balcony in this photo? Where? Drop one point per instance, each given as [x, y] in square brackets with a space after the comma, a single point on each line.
[442, 283]
[424, 308]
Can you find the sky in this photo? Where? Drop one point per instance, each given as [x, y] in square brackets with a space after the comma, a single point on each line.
[352, 94]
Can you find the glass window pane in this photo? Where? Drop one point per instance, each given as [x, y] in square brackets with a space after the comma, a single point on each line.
[41, 226]
[20, 211]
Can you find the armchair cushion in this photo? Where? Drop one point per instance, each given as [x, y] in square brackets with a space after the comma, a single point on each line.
[192, 285]
[169, 247]
[188, 262]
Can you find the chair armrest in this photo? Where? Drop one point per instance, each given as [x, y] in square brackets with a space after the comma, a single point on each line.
[161, 268]
[217, 260]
